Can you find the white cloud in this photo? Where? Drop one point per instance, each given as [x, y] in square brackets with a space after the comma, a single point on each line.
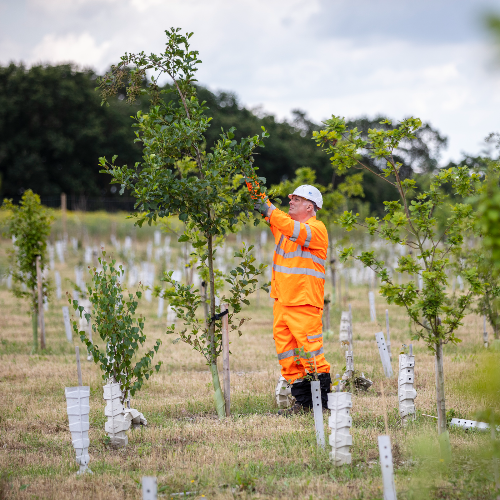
[82, 49]
[316, 55]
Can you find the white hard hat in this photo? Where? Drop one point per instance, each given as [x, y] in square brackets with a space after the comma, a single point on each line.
[309, 193]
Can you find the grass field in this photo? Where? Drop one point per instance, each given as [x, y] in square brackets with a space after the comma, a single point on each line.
[253, 454]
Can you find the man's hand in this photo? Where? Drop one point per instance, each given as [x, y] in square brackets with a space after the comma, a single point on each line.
[255, 193]
[261, 207]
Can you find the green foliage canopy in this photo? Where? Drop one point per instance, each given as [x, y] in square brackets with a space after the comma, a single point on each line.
[29, 225]
[114, 320]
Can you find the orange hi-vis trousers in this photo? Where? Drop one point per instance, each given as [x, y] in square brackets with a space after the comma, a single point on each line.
[295, 327]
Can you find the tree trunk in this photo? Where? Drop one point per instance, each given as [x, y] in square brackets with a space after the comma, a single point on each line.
[219, 398]
[440, 398]
[220, 404]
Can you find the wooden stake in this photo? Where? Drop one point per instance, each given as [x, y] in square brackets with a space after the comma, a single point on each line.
[78, 365]
[41, 319]
[384, 408]
[225, 360]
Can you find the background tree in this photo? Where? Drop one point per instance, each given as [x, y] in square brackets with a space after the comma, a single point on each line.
[412, 221]
[205, 189]
[54, 130]
[28, 224]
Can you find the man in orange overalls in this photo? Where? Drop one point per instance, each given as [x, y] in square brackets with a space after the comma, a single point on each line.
[297, 285]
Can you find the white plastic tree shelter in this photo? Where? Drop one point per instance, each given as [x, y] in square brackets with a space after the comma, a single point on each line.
[171, 316]
[149, 488]
[58, 285]
[67, 323]
[485, 332]
[318, 412]
[283, 393]
[406, 391]
[384, 448]
[351, 340]
[373, 313]
[388, 333]
[469, 424]
[161, 300]
[78, 408]
[39, 283]
[344, 327]
[119, 418]
[384, 354]
[340, 421]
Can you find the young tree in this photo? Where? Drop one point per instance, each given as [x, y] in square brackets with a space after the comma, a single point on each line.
[29, 226]
[113, 318]
[210, 198]
[412, 221]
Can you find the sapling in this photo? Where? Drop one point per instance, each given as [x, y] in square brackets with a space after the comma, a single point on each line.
[206, 190]
[412, 221]
[28, 224]
[115, 323]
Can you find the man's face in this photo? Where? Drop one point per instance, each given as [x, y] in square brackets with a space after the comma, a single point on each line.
[299, 207]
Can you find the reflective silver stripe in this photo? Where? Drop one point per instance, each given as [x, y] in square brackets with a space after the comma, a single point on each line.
[287, 354]
[300, 253]
[314, 353]
[278, 246]
[312, 337]
[309, 235]
[296, 231]
[299, 270]
[272, 208]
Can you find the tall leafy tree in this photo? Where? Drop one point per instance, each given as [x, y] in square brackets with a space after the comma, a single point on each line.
[411, 220]
[206, 189]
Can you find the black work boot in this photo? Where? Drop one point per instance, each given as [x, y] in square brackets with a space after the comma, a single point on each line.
[301, 391]
[325, 382]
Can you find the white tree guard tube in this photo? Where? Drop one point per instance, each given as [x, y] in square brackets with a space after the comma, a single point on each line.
[78, 407]
[340, 421]
[117, 423]
[384, 354]
[406, 392]
[149, 488]
[171, 316]
[344, 327]
[373, 313]
[468, 424]
[119, 418]
[485, 333]
[384, 448]
[67, 323]
[283, 393]
[160, 307]
[318, 413]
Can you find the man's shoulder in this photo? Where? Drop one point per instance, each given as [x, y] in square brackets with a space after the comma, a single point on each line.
[314, 222]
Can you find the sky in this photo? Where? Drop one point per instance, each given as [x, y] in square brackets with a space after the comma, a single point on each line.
[430, 59]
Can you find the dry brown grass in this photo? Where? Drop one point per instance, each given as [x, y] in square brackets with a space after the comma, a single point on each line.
[253, 454]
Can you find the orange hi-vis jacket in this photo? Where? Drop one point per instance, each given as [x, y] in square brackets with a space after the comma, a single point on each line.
[298, 276]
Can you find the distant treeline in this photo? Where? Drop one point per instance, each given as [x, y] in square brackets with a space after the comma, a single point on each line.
[53, 129]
